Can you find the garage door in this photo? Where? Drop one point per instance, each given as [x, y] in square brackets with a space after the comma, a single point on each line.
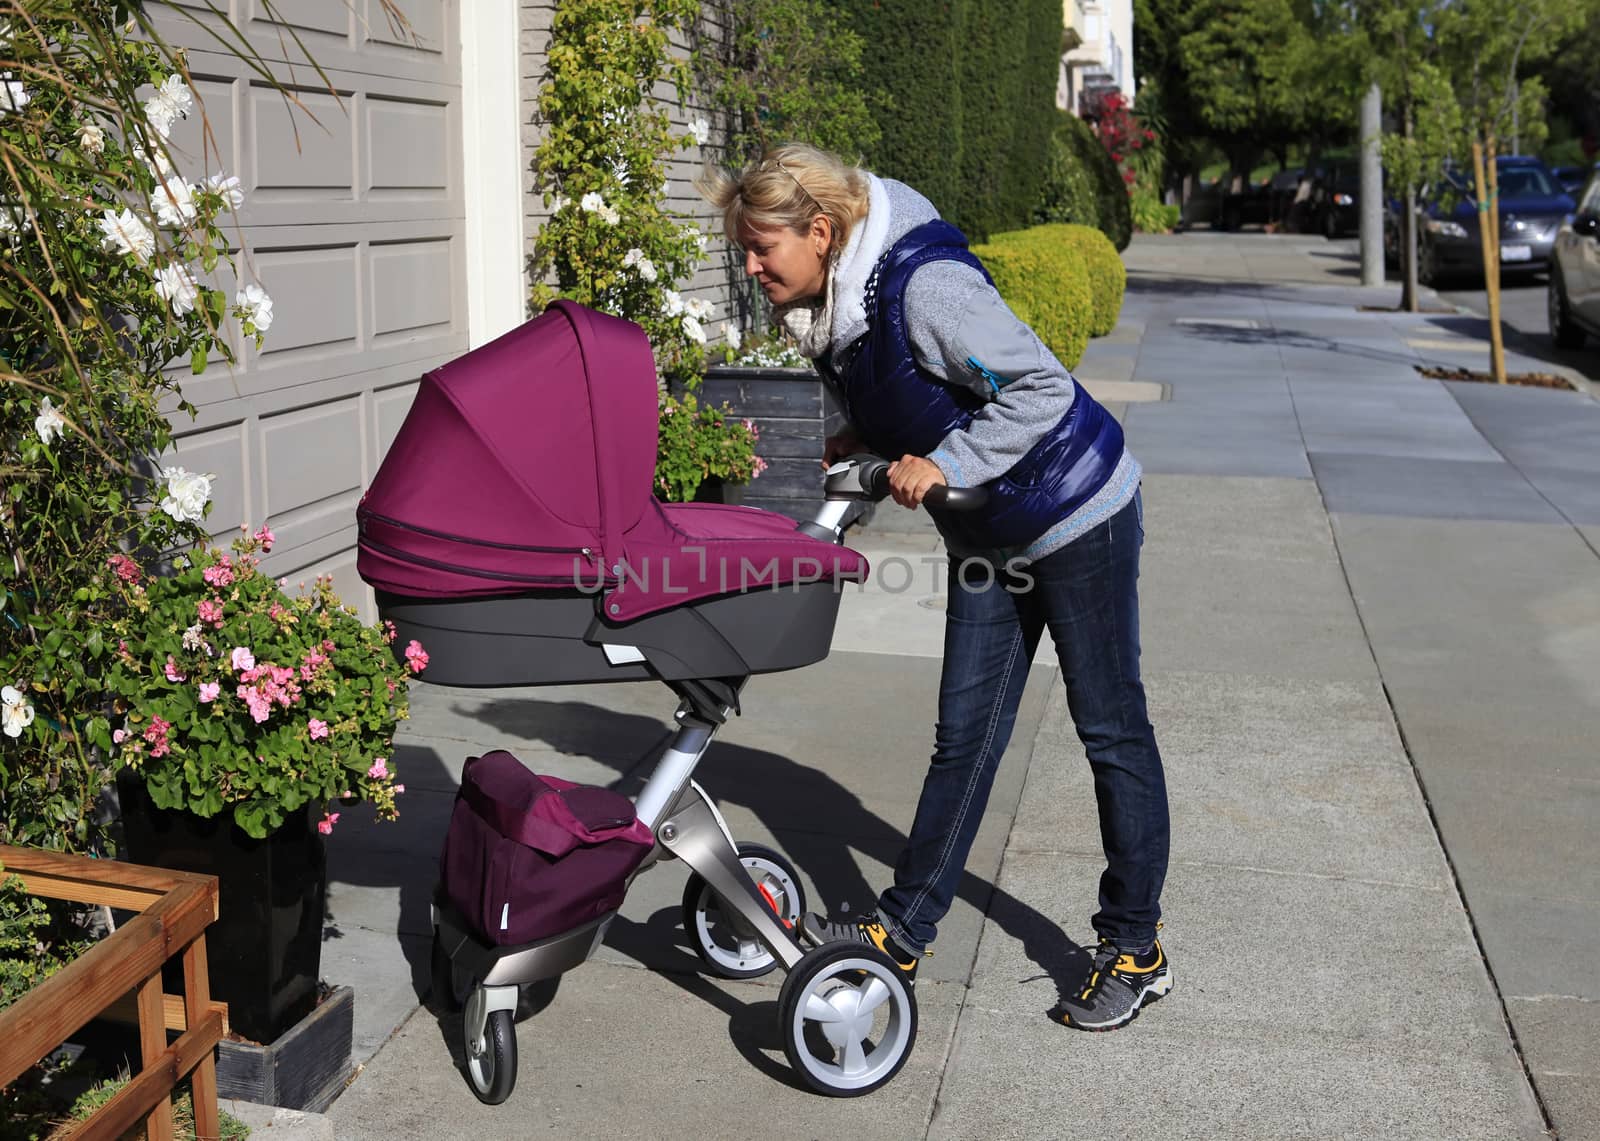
[354, 221]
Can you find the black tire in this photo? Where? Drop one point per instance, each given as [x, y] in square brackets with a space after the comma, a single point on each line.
[1330, 226]
[699, 901]
[838, 969]
[448, 991]
[1564, 332]
[494, 1074]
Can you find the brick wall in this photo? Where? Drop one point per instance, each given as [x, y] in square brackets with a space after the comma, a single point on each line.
[718, 279]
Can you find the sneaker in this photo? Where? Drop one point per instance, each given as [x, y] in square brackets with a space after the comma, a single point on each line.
[863, 929]
[1118, 987]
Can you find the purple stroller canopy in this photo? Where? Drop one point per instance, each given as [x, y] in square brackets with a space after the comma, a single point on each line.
[528, 463]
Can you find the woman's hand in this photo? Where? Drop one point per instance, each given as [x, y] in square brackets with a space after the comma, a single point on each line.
[840, 447]
[910, 477]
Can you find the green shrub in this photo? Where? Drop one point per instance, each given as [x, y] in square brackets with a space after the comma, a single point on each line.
[1151, 215]
[1046, 283]
[1108, 277]
[1082, 184]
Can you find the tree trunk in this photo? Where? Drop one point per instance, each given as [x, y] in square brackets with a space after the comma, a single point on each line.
[1408, 237]
[1489, 234]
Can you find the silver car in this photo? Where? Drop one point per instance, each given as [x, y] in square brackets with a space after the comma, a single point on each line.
[1574, 289]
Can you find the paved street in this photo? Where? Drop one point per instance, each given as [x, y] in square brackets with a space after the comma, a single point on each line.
[1371, 625]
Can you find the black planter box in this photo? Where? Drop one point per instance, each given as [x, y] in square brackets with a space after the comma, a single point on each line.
[303, 1069]
[265, 949]
[795, 413]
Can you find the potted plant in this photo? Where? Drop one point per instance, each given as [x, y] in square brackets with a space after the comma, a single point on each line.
[777, 390]
[704, 452]
[245, 718]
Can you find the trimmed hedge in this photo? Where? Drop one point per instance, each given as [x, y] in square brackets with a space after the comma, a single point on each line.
[965, 100]
[1108, 277]
[1082, 184]
[1046, 284]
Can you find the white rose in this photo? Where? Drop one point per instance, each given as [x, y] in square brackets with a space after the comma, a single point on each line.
[700, 131]
[171, 101]
[609, 215]
[692, 330]
[256, 307]
[671, 303]
[632, 257]
[13, 97]
[174, 203]
[176, 284]
[49, 423]
[160, 165]
[187, 493]
[127, 233]
[16, 713]
[91, 138]
[592, 202]
[228, 187]
[647, 269]
[700, 309]
[731, 334]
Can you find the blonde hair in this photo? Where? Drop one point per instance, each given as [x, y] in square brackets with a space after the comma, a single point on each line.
[789, 186]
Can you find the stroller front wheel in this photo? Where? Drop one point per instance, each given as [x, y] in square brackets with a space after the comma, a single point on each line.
[849, 1019]
[491, 1056]
[726, 944]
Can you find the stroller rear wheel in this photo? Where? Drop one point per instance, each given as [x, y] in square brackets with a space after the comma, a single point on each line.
[725, 943]
[491, 1057]
[848, 1019]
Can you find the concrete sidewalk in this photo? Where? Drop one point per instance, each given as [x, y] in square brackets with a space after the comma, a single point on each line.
[1371, 619]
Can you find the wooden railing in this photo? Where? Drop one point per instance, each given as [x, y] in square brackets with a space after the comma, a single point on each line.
[174, 910]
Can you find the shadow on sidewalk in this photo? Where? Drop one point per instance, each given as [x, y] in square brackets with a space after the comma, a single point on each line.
[786, 796]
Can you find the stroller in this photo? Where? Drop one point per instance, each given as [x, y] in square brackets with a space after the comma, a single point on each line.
[512, 530]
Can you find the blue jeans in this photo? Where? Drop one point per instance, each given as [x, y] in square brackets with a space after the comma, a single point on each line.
[1086, 594]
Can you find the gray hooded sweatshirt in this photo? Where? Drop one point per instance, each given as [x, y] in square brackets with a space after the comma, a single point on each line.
[955, 317]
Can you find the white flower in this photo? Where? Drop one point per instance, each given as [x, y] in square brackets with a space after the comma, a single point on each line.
[228, 187]
[700, 131]
[692, 330]
[592, 202]
[671, 303]
[699, 308]
[160, 165]
[647, 269]
[619, 168]
[49, 422]
[256, 307]
[13, 97]
[17, 714]
[127, 233]
[176, 284]
[558, 204]
[174, 203]
[731, 334]
[187, 493]
[632, 257]
[609, 215]
[172, 100]
[700, 240]
[8, 223]
[91, 138]
[191, 638]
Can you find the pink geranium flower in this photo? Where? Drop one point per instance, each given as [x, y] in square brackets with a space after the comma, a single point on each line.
[379, 769]
[210, 611]
[172, 671]
[325, 825]
[318, 729]
[416, 657]
[209, 692]
[219, 573]
[243, 659]
[126, 569]
[266, 538]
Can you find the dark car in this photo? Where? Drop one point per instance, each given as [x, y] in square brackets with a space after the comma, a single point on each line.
[1571, 178]
[1573, 292]
[1532, 208]
[1335, 203]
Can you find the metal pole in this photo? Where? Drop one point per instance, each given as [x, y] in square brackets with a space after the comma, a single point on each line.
[1371, 202]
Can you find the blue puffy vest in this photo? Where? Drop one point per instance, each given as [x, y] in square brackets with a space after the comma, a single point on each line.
[899, 409]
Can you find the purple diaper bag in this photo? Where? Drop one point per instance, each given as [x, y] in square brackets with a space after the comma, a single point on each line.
[531, 856]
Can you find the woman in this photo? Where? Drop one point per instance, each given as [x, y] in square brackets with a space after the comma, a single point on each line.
[933, 368]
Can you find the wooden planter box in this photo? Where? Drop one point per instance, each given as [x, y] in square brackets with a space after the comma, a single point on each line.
[796, 414]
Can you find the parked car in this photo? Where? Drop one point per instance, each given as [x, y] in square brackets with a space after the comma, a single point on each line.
[1573, 292]
[1335, 208]
[1532, 208]
[1571, 178]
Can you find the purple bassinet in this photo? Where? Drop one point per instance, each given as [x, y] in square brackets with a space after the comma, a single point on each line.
[512, 528]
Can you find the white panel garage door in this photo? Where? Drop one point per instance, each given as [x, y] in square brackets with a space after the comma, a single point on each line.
[355, 226]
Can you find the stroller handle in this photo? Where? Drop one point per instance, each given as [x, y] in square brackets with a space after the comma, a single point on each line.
[866, 477]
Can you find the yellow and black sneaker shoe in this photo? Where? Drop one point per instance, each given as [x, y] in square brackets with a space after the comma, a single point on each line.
[867, 929]
[1118, 986]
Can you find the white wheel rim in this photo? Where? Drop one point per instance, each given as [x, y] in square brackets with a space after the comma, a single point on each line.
[729, 947]
[848, 1013]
